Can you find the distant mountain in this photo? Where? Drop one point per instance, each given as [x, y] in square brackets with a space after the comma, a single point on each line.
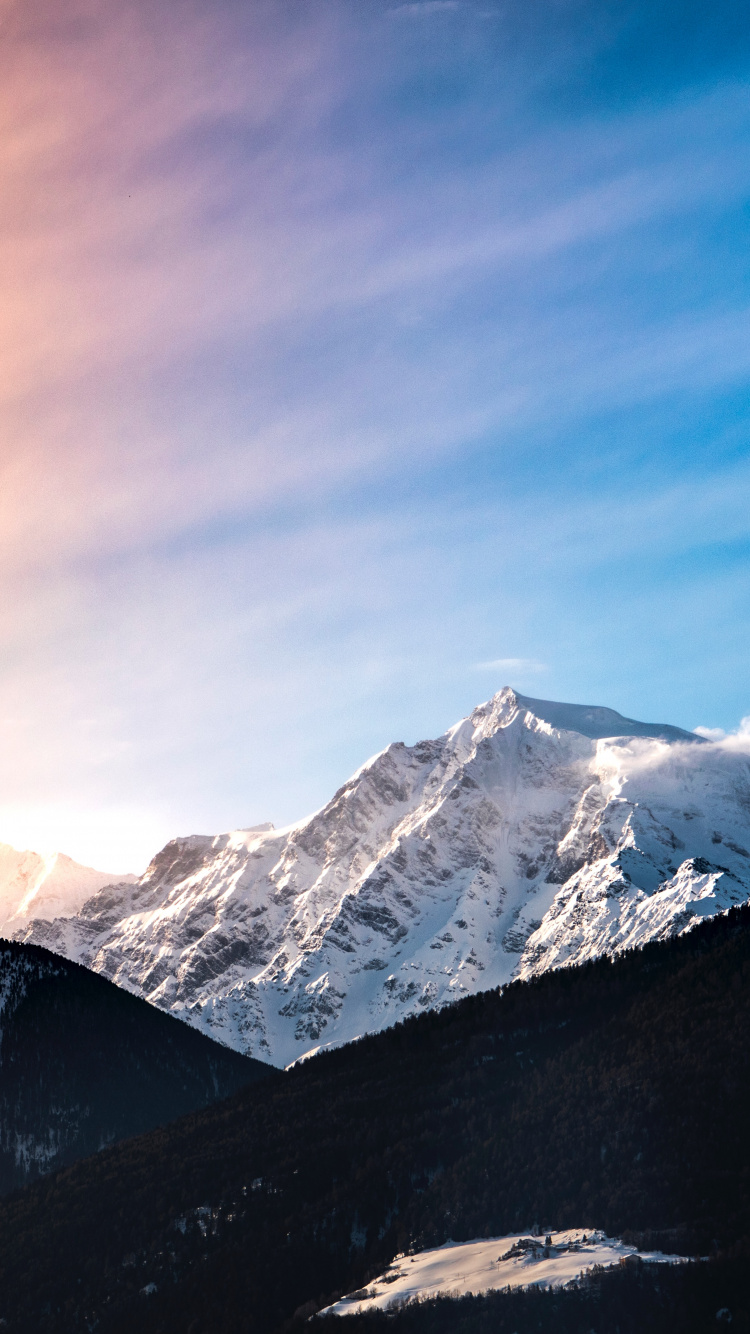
[532, 834]
[613, 1095]
[35, 886]
[83, 1064]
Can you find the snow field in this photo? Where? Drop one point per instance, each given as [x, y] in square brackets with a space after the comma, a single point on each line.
[458, 1269]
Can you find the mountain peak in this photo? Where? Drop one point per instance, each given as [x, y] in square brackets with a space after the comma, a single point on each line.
[589, 720]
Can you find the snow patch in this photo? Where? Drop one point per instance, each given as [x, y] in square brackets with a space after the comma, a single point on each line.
[458, 1269]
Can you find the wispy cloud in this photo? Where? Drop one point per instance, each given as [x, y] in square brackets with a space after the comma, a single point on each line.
[178, 201]
[513, 666]
[738, 739]
[423, 8]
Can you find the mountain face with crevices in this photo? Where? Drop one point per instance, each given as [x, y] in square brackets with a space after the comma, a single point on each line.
[530, 836]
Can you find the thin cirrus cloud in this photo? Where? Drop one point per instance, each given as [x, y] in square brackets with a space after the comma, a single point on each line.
[131, 268]
[424, 8]
[331, 343]
[513, 666]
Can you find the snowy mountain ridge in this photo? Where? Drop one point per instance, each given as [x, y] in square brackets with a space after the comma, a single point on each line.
[529, 836]
[33, 885]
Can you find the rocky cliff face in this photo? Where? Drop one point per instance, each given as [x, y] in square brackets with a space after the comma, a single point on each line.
[531, 835]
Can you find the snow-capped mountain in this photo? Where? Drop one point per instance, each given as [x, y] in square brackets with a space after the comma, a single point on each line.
[528, 836]
[35, 886]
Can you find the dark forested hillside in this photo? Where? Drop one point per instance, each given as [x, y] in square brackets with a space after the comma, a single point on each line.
[83, 1064]
[615, 1095]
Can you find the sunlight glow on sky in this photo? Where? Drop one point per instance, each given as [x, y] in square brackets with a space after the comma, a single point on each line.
[358, 359]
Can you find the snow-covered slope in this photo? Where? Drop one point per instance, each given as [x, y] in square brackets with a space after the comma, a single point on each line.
[492, 1264]
[530, 835]
[36, 886]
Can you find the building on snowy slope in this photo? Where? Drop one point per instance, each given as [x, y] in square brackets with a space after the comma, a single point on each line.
[529, 836]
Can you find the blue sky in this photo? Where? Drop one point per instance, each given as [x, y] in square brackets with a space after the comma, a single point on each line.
[360, 359]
